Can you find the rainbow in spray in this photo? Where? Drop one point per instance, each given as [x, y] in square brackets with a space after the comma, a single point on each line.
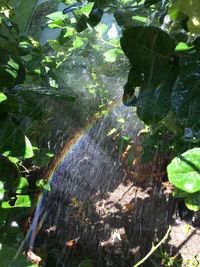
[71, 145]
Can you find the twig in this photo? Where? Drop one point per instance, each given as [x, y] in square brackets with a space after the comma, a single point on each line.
[153, 249]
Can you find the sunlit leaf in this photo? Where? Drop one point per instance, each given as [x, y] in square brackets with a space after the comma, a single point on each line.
[58, 15]
[69, 32]
[78, 42]
[112, 131]
[28, 151]
[183, 47]
[184, 171]
[2, 97]
[111, 55]
[56, 24]
[191, 10]
[140, 19]
[20, 184]
[1, 190]
[87, 9]
[25, 48]
[101, 29]
[43, 184]
[22, 201]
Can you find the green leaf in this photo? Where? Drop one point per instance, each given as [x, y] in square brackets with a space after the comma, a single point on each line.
[56, 16]
[150, 51]
[87, 9]
[140, 19]
[179, 193]
[25, 48]
[111, 55]
[20, 184]
[191, 10]
[101, 29]
[29, 150]
[2, 97]
[184, 171]
[43, 184]
[13, 142]
[193, 202]
[146, 46]
[185, 96]
[23, 201]
[183, 47]
[78, 42]
[42, 158]
[56, 24]
[1, 190]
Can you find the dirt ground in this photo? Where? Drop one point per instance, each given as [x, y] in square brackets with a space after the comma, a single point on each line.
[98, 209]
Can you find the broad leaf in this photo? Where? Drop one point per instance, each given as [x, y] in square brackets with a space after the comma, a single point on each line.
[193, 202]
[184, 171]
[150, 52]
[145, 46]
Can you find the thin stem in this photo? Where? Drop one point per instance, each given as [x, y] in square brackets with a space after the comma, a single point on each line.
[153, 249]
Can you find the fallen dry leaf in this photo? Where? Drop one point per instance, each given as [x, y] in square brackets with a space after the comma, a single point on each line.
[33, 257]
[168, 187]
[72, 243]
[128, 207]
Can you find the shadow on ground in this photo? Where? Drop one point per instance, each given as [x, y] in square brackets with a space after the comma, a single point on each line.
[96, 210]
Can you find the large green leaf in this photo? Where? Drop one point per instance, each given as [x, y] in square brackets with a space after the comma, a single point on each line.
[155, 94]
[146, 46]
[184, 171]
[150, 51]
